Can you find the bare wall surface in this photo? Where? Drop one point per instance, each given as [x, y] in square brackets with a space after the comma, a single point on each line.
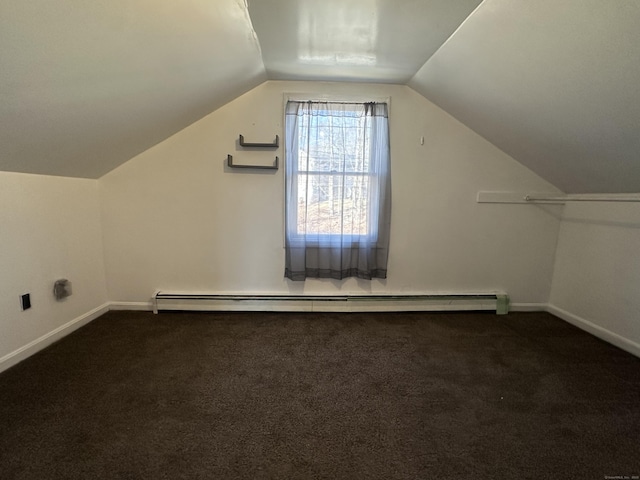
[176, 218]
[49, 229]
[597, 273]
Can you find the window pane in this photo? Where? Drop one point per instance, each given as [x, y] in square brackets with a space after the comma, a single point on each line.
[333, 204]
[330, 143]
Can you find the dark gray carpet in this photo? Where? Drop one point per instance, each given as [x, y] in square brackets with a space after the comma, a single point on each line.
[333, 396]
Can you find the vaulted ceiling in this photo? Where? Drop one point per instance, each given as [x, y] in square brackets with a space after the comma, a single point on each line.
[85, 86]
[553, 83]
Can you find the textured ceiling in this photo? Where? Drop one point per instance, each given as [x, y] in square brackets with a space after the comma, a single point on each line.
[85, 86]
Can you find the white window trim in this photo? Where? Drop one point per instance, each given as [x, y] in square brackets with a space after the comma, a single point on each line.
[332, 97]
[318, 97]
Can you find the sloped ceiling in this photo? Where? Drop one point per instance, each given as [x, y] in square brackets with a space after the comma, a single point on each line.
[553, 83]
[85, 86]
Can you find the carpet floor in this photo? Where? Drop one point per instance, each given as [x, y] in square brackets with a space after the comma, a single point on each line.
[387, 396]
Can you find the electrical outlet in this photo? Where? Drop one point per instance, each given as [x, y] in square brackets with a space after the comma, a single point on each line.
[25, 301]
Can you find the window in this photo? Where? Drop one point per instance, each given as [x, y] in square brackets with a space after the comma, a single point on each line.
[338, 189]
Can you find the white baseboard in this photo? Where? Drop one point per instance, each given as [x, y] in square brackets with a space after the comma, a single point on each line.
[602, 333]
[528, 307]
[138, 306]
[44, 341]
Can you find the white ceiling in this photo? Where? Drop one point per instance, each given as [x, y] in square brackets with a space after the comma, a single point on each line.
[384, 41]
[553, 83]
[85, 86]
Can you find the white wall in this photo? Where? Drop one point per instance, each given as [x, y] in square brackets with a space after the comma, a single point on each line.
[49, 229]
[175, 218]
[596, 282]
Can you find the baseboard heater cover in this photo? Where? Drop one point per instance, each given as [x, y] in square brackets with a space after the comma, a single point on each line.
[498, 301]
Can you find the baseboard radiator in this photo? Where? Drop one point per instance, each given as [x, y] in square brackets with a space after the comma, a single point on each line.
[496, 301]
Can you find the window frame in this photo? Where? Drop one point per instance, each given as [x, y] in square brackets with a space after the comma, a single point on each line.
[328, 239]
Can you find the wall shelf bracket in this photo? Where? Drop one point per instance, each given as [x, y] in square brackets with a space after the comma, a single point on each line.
[230, 164]
[273, 144]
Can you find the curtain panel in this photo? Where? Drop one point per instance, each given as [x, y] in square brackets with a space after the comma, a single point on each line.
[338, 190]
